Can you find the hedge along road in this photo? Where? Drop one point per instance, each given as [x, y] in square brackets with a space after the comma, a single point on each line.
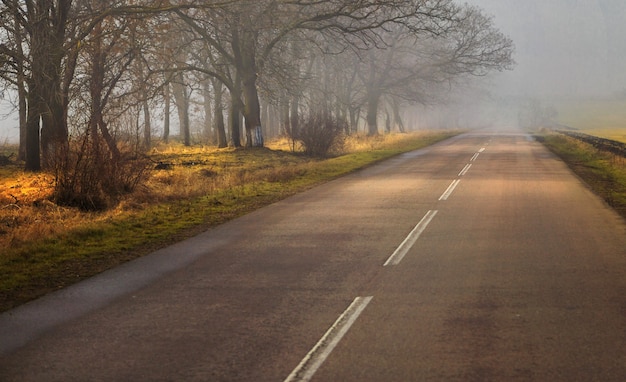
[479, 258]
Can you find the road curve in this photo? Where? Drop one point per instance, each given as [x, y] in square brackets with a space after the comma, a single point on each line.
[481, 258]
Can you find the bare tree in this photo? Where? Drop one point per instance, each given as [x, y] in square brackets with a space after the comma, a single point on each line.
[416, 61]
[339, 57]
[47, 41]
[254, 29]
[46, 69]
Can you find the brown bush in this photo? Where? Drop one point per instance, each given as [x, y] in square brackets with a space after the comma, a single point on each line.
[90, 177]
[320, 134]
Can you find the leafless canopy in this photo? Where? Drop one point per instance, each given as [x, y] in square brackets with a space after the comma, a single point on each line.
[83, 67]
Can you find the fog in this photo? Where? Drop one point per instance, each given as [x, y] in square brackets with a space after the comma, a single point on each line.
[9, 123]
[570, 54]
[564, 48]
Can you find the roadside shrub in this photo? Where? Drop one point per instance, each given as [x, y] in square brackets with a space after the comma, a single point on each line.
[320, 134]
[90, 177]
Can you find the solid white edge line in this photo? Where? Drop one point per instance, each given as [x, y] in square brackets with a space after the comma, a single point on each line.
[465, 169]
[316, 357]
[408, 242]
[450, 189]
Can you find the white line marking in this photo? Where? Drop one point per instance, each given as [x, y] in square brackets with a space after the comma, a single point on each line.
[450, 189]
[316, 357]
[474, 157]
[408, 242]
[465, 169]
[481, 150]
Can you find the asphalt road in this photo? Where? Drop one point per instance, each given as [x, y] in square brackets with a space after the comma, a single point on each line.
[481, 258]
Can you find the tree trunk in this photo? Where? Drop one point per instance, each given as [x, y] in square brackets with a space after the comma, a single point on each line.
[182, 103]
[218, 120]
[294, 115]
[36, 99]
[247, 68]
[21, 90]
[147, 125]
[33, 125]
[143, 94]
[208, 112]
[265, 118]
[186, 129]
[354, 119]
[22, 110]
[166, 112]
[283, 110]
[235, 111]
[252, 112]
[397, 116]
[235, 122]
[54, 132]
[97, 125]
[373, 100]
[387, 122]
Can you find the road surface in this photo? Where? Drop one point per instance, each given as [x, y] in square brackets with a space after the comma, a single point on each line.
[481, 258]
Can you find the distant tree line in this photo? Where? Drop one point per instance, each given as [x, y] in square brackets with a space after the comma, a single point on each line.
[104, 76]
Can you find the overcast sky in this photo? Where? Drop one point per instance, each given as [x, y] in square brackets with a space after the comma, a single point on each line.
[568, 48]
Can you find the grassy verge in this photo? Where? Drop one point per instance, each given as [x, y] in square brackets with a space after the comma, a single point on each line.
[604, 172]
[53, 258]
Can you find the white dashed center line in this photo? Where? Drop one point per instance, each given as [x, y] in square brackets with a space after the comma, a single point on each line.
[401, 251]
[450, 189]
[316, 357]
[465, 169]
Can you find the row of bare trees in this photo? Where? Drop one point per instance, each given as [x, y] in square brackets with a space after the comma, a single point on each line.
[109, 70]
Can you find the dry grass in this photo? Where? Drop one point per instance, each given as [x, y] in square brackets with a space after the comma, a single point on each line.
[26, 213]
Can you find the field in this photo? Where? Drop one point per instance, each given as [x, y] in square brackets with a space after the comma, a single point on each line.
[602, 118]
[44, 246]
